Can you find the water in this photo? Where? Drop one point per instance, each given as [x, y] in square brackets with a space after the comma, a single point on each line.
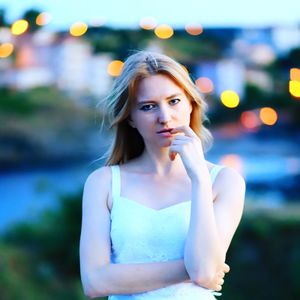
[25, 193]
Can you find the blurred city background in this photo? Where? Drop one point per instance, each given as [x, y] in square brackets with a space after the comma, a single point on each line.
[58, 60]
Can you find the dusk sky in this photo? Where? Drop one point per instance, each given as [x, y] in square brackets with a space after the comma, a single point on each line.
[255, 13]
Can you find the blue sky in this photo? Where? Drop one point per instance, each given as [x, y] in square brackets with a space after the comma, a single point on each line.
[127, 13]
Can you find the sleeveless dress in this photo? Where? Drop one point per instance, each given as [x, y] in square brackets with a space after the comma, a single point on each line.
[140, 234]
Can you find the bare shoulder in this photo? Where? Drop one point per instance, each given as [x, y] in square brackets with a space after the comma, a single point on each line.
[98, 183]
[229, 179]
[102, 173]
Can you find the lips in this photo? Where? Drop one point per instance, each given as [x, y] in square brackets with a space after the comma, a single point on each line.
[165, 130]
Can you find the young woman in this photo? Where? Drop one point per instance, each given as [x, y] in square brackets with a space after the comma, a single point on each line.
[158, 218]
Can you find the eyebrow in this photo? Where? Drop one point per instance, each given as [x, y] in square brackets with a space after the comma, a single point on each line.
[167, 98]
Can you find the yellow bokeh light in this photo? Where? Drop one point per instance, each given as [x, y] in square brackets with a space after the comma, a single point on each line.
[78, 29]
[250, 120]
[43, 18]
[295, 74]
[115, 68]
[234, 161]
[194, 29]
[6, 50]
[164, 31]
[294, 88]
[19, 27]
[205, 85]
[148, 23]
[230, 99]
[268, 115]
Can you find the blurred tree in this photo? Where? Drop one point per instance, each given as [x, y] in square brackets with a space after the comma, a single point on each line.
[31, 15]
[3, 22]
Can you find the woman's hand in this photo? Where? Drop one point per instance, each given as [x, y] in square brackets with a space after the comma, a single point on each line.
[188, 145]
[218, 280]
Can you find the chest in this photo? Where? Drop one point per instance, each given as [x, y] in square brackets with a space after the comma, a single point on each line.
[152, 192]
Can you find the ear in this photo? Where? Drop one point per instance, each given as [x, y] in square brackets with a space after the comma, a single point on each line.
[130, 122]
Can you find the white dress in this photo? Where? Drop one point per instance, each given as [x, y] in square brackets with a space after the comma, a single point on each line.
[140, 234]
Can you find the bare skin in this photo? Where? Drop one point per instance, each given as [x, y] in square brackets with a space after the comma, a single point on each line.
[179, 186]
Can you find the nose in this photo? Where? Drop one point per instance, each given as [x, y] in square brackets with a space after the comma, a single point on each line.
[164, 115]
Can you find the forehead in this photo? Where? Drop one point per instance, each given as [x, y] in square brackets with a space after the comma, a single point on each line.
[157, 87]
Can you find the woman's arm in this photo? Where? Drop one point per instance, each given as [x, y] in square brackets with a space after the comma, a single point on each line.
[212, 224]
[114, 279]
[100, 277]
[126, 279]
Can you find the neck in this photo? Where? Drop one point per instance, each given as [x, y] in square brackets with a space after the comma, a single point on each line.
[160, 164]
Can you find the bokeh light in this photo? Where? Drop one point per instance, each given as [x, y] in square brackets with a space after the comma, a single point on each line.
[294, 88]
[205, 85]
[19, 27]
[164, 31]
[43, 18]
[250, 120]
[230, 99]
[115, 68]
[78, 29]
[6, 49]
[268, 115]
[148, 23]
[234, 161]
[194, 29]
[295, 74]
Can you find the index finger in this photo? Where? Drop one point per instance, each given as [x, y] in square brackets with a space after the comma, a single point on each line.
[185, 129]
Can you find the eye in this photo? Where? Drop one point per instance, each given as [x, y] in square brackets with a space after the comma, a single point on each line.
[175, 101]
[147, 107]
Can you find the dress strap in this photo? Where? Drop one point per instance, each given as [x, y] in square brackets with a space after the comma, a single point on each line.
[116, 181]
[214, 172]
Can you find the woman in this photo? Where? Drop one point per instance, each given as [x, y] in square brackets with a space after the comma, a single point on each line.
[158, 218]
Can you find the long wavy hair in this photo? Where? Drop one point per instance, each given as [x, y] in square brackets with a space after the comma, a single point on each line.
[127, 143]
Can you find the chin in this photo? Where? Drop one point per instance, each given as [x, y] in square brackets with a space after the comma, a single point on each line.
[167, 144]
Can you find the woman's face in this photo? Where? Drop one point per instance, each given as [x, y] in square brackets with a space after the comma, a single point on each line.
[160, 104]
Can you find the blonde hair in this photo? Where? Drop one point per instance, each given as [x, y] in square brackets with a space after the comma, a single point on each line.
[127, 143]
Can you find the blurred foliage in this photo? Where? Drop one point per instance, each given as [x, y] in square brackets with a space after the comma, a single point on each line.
[40, 260]
[30, 15]
[2, 18]
[265, 256]
[42, 125]
[108, 40]
[181, 46]
[37, 100]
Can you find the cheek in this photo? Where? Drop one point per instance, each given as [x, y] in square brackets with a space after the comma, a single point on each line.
[185, 114]
[142, 122]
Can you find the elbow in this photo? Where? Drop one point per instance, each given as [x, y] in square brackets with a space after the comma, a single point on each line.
[205, 276]
[94, 287]
[93, 293]
[90, 294]
[203, 280]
